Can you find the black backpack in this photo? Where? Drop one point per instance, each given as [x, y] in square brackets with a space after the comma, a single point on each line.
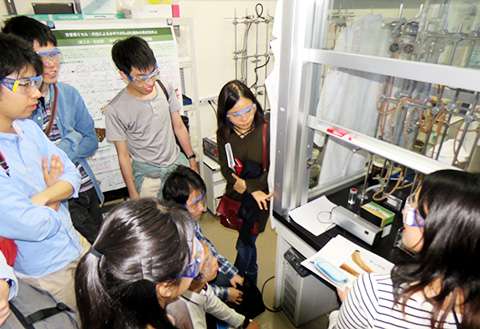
[37, 309]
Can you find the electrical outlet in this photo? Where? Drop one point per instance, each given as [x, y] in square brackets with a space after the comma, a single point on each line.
[205, 99]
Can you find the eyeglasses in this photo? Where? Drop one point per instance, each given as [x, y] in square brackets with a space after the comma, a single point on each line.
[206, 270]
[54, 55]
[25, 86]
[197, 202]
[192, 269]
[411, 216]
[142, 80]
[249, 111]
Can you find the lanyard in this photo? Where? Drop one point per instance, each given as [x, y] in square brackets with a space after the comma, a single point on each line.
[4, 165]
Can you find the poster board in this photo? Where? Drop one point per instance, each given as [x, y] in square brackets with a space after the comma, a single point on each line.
[87, 65]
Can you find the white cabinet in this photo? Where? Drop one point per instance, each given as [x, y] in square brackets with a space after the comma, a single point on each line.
[214, 181]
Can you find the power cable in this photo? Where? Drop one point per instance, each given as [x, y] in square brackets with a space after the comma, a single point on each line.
[273, 310]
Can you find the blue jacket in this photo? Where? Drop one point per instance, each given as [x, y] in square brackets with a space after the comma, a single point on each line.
[76, 126]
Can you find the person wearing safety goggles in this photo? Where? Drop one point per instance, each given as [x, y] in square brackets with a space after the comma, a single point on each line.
[200, 299]
[143, 120]
[439, 287]
[145, 256]
[36, 176]
[61, 113]
[185, 187]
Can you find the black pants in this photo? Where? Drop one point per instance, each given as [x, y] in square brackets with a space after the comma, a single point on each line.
[86, 214]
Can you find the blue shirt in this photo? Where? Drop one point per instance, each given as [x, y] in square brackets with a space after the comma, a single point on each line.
[6, 272]
[45, 238]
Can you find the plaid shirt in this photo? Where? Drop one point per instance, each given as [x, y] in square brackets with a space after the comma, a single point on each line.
[225, 267]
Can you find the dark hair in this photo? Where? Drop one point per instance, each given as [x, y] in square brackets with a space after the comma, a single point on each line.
[228, 97]
[141, 243]
[30, 30]
[133, 52]
[451, 242]
[16, 56]
[180, 183]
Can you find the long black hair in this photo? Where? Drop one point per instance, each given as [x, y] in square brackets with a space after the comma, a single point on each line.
[449, 200]
[140, 244]
[228, 97]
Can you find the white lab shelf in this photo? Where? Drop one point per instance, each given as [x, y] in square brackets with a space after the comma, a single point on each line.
[452, 76]
[386, 150]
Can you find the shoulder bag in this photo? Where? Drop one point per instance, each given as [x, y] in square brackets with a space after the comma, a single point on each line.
[228, 208]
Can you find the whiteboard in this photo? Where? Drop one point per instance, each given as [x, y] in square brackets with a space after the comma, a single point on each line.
[88, 66]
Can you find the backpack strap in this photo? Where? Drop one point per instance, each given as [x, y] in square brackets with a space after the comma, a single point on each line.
[164, 89]
[20, 317]
[53, 111]
[27, 322]
[47, 312]
[4, 165]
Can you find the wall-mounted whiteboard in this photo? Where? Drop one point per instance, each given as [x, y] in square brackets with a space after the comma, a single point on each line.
[87, 65]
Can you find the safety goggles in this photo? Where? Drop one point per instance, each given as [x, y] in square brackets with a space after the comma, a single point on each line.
[192, 269]
[411, 216]
[140, 81]
[207, 268]
[54, 55]
[197, 202]
[25, 86]
[247, 112]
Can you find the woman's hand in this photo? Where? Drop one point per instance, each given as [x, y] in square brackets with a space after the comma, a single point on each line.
[262, 199]
[342, 293]
[240, 186]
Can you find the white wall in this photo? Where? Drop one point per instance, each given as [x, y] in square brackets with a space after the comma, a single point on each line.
[215, 43]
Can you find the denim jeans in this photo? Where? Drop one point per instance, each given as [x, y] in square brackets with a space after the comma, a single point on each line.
[246, 261]
[154, 177]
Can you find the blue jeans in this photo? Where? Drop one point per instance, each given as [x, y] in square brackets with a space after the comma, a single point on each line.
[246, 261]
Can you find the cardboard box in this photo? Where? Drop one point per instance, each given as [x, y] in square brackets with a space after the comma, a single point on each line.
[379, 216]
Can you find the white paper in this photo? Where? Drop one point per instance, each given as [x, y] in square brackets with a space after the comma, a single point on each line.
[314, 216]
[338, 251]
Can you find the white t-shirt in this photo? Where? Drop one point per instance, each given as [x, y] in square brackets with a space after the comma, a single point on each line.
[198, 304]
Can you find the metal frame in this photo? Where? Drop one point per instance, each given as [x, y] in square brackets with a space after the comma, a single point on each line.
[301, 64]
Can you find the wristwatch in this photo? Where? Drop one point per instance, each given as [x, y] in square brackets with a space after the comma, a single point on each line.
[193, 156]
[246, 323]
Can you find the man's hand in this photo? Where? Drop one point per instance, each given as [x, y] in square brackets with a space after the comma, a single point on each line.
[56, 169]
[253, 325]
[4, 306]
[193, 165]
[134, 194]
[240, 186]
[262, 199]
[235, 295]
[237, 279]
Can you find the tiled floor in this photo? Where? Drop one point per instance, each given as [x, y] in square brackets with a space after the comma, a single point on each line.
[225, 239]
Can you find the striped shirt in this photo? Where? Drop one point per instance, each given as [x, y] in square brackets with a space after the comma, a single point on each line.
[55, 137]
[224, 266]
[369, 304]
